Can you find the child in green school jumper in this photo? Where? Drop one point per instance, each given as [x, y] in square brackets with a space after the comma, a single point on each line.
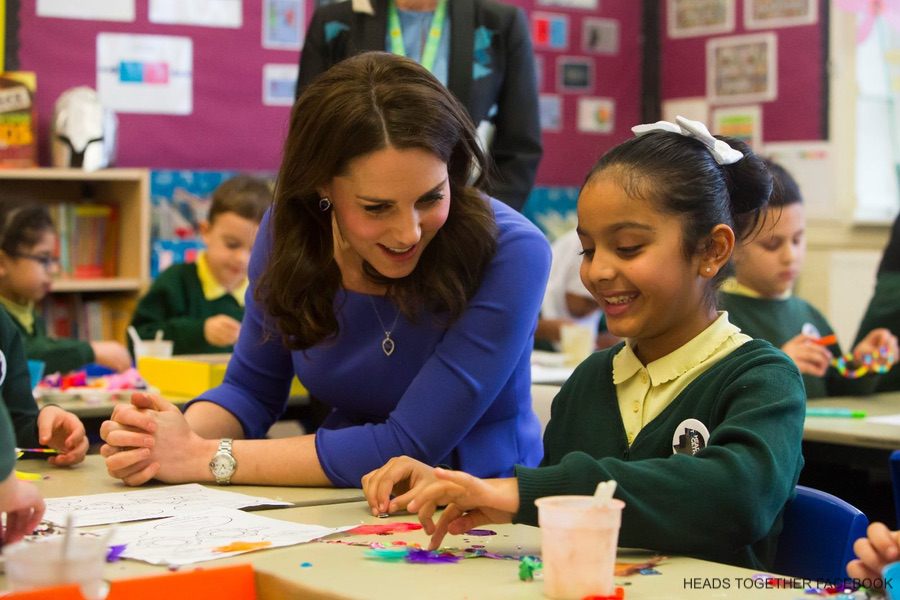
[48, 426]
[884, 307]
[199, 306]
[759, 297]
[699, 424]
[28, 246]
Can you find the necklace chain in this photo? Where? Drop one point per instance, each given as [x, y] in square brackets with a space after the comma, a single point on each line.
[387, 344]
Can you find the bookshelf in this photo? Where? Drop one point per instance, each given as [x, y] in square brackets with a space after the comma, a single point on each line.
[128, 190]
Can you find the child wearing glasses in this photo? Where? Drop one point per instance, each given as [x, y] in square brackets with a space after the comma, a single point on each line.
[28, 246]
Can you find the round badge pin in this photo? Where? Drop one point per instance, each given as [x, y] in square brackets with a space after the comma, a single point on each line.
[690, 437]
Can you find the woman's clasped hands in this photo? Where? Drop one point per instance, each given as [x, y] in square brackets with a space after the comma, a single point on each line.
[150, 438]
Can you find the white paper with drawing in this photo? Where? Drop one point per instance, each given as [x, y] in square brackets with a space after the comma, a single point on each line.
[118, 507]
[211, 534]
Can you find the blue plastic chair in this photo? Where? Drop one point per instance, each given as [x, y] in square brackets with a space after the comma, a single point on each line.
[895, 481]
[816, 541]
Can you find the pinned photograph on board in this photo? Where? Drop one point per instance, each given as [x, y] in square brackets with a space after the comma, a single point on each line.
[600, 36]
[693, 18]
[575, 74]
[550, 107]
[742, 69]
[550, 30]
[767, 14]
[596, 115]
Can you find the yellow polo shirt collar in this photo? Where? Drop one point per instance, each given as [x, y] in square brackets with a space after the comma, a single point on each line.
[645, 391]
[732, 286]
[212, 289]
[23, 313]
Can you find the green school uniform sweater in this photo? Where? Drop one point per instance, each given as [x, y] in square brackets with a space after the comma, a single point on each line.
[176, 305]
[884, 311]
[724, 503]
[15, 388]
[59, 355]
[777, 321]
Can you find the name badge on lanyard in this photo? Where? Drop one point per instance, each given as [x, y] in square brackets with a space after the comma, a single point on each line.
[429, 52]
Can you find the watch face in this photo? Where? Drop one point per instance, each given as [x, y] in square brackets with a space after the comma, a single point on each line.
[222, 465]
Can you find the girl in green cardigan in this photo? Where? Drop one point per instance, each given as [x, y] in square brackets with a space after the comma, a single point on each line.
[700, 425]
[28, 262]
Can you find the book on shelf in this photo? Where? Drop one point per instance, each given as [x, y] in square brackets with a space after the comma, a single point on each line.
[18, 120]
[88, 239]
[75, 317]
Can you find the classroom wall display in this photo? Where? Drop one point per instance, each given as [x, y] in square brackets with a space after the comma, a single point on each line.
[741, 122]
[595, 115]
[550, 31]
[279, 83]
[741, 69]
[582, 4]
[690, 18]
[205, 13]
[94, 10]
[600, 36]
[551, 116]
[283, 22]
[145, 73]
[784, 72]
[767, 14]
[239, 108]
[576, 74]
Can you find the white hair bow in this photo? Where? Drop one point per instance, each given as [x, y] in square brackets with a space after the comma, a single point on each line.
[721, 151]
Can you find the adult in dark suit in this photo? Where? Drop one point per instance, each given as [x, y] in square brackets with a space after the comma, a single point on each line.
[490, 70]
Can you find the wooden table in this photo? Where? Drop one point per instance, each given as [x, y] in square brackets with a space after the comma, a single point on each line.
[90, 477]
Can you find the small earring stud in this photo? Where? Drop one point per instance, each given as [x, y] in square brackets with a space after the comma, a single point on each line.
[708, 269]
[324, 203]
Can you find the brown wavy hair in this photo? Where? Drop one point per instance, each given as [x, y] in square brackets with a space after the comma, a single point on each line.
[361, 105]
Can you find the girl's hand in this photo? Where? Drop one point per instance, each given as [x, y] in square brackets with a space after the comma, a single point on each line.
[62, 431]
[879, 340]
[151, 439]
[23, 506]
[810, 357]
[877, 549]
[221, 330]
[401, 476]
[470, 502]
[111, 354]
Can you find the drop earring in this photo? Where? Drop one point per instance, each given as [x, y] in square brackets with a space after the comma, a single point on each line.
[324, 203]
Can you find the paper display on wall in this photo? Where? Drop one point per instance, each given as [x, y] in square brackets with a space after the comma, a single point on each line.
[595, 115]
[741, 122]
[204, 13]
[150, 74]
[742, 69]
[279, 84]
[282, 24]
[696, 109]
[766, 14]
[691, 18]
[812, 165]
[95, 10]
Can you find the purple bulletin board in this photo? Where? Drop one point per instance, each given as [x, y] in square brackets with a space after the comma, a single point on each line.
[799, 110]
[230, 128]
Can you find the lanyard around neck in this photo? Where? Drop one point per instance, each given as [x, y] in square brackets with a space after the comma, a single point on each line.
[429, 53]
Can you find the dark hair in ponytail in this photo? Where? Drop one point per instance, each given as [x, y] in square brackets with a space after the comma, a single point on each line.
[680, 175]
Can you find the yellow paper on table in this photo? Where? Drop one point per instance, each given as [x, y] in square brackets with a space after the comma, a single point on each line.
[191, 374]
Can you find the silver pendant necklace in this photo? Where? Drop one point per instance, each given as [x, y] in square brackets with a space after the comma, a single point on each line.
[387, 344]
